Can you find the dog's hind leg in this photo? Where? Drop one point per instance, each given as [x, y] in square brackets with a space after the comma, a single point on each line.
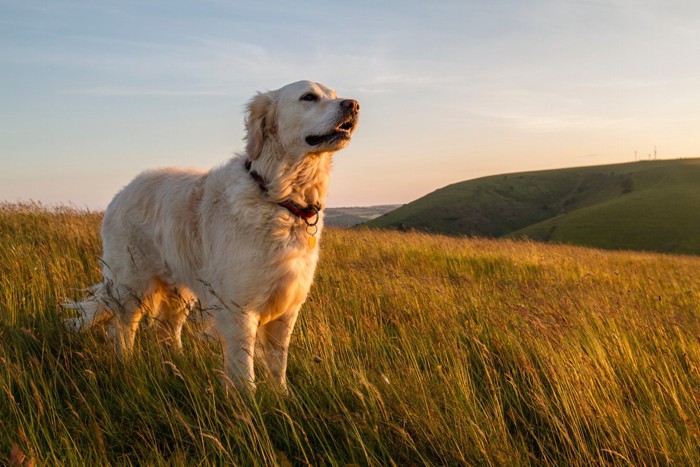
[172, 311]
[125, 325]
[120, 306]
[129, 306]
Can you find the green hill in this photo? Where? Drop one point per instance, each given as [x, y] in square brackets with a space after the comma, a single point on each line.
[650, 205]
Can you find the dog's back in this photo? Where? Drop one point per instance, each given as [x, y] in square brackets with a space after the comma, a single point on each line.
[156, 219]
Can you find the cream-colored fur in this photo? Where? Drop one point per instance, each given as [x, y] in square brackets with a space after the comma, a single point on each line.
[174, 237]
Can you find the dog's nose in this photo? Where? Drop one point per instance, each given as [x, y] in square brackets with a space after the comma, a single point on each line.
[350, 104]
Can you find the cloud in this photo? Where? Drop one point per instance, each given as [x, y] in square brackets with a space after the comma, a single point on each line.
[208, 66]
[142, 92]
[563, 122]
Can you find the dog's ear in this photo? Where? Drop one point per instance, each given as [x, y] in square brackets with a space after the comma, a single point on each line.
[260, 123]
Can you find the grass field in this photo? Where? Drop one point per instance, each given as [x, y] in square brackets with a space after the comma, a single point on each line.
[411, 349]
[649, 205]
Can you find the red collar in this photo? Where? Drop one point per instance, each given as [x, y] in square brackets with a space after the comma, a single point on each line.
[303, 212]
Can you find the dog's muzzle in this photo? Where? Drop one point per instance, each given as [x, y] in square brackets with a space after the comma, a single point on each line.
[351, 110]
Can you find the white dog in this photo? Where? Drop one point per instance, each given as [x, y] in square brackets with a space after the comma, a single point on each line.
[240, 239]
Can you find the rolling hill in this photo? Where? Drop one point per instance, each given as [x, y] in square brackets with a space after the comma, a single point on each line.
[648, 205]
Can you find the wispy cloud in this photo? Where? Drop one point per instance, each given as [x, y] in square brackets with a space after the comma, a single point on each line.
[143, 92]
[207, 66]
[567, 122]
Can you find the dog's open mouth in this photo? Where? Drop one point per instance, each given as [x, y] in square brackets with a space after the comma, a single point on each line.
[341, 132]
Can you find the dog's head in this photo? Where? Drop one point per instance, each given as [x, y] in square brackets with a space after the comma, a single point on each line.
[298, 119]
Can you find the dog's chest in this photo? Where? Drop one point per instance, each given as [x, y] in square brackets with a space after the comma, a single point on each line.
[293, 276]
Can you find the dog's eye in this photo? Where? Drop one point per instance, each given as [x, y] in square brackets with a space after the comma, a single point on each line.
[309, 97]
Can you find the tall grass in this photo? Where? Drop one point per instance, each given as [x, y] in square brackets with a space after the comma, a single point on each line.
[411, 349]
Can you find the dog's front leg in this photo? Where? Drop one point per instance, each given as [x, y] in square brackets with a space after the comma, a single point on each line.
[274, 339]
[237, 329]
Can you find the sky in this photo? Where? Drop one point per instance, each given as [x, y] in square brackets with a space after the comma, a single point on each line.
[94, 92]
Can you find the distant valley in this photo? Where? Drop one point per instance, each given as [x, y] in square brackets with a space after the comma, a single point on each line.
[349, 217]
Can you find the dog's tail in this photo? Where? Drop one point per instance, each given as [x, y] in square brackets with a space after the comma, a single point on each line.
[91, 311]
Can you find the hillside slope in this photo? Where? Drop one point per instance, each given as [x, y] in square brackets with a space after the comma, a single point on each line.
[650, 205]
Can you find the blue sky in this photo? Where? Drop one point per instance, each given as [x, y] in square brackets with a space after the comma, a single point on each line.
[93, 92]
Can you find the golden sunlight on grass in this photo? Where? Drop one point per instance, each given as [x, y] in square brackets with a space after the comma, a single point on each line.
[412, 349]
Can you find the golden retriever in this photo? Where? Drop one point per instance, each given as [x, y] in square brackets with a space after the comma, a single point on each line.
[239, 239]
